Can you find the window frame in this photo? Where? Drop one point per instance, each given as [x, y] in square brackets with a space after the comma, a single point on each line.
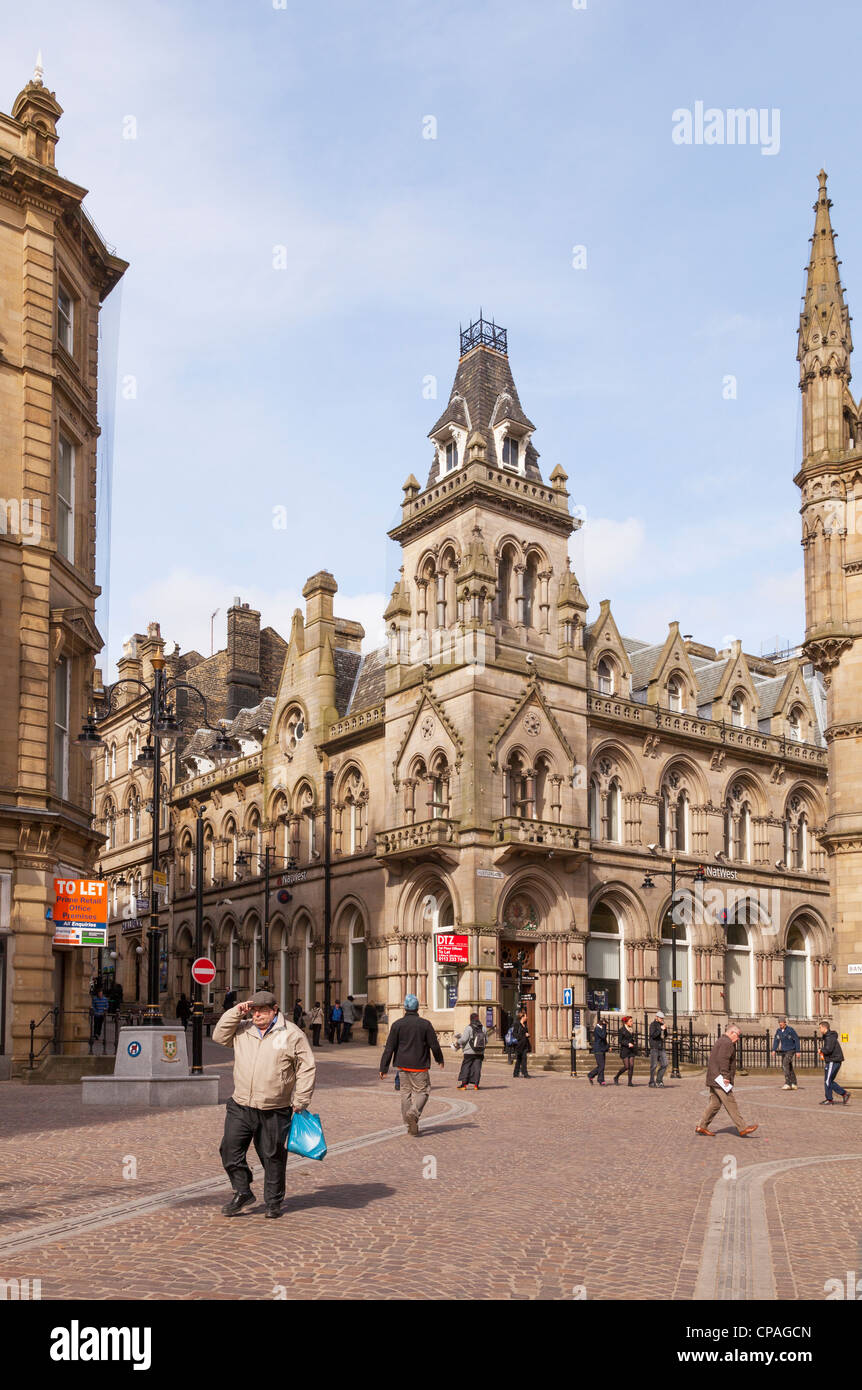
[65, 507]
[66, 322]
[61, 731]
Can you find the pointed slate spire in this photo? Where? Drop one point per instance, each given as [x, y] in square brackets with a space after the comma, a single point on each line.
[825, 342]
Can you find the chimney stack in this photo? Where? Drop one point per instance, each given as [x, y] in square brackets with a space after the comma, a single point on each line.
[243, 658]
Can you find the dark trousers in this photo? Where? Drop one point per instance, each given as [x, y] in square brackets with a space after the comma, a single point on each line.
[787, 1064]
[315, 1034]
[829, 1075]
[599, 1069]
[520, 1063]
[346, 1030]
[471, 1070]
[372, 1037]
[335, 1032]
[98, 1020]
[626, 1064]
[269, 1130]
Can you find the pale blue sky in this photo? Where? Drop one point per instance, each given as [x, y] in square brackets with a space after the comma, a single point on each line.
[302, 127]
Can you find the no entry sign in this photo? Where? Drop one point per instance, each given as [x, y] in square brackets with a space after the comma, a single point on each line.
[203, 971]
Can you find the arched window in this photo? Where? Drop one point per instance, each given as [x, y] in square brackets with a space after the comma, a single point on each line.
[440, 790]
[233, 960]
[186, 865]
[614, 810]
[358, 955]
[519, 801]
[737, 710]
[683, 971]
[113, 759]
[794, 724]
[531, 589]
[231, 849]
[510, 453]
[292, 729]
[664, 819]
[134, 815]
[800, 844]
[675, 695]
[354, 804]
[604, 949]
[505, 572]
[682, 823]
[797, 991]
[445, 989]
[605, 677]
[541, 809]
[110, 819]
[738, 969]
[209, 855]
[594, 809]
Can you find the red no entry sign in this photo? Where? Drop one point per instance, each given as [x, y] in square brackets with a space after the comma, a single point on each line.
[203, 970]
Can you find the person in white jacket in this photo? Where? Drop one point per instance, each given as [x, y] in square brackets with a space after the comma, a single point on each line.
[273, 1076]
[472, 1040]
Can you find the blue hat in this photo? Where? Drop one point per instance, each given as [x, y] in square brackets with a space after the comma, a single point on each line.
[411, 1003]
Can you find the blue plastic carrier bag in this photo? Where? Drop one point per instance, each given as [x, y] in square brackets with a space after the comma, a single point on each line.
[306, 1136]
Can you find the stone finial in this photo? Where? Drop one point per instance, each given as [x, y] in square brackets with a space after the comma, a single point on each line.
[38, 71]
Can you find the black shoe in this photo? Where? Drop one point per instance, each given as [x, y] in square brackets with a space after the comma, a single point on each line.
[616, 1081]
[652, 1084]
[236, 1203]
[273, 1210]
[590, 1079]
[827, 1102]
[660, 1083]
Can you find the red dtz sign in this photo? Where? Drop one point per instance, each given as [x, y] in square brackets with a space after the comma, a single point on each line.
[451, 950]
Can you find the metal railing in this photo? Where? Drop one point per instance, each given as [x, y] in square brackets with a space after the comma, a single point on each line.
[753, 1051]
[52, 1040]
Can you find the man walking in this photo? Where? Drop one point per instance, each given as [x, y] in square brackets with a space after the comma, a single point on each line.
[833, 1056]
[273, 1076]
[720, 1076]
[370, 1022]
[410, 1045]
[657, 1052]
[100, 1006]
[473, 1041]
[336, 1017]
[785, 1045]
[600, 1052]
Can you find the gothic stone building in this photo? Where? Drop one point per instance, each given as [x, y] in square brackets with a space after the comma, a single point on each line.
[55, 271]
[504, 771]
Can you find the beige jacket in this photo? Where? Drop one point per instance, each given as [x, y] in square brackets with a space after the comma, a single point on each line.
[272, 1072]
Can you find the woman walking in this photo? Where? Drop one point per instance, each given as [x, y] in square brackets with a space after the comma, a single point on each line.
[628, 1049]
[315, 1023]
[522, 1045]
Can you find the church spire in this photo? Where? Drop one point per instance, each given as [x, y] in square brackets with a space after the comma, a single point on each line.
[825, 343]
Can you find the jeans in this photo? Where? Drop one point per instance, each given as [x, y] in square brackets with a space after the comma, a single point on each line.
[269, 1130]
[599, 1069]
[415, 1091]
[346, 1030]
[521, 1063]
[787, 1064]
[98, 1020]
[829, 1075]
[315, 1034]
[657, 1059]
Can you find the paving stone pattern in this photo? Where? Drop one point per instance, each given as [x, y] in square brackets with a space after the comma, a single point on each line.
[542, 1188]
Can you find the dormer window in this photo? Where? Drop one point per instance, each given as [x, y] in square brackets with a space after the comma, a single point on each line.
[674, 695]
[605, 673]
[737, 711]
[451, 457]
[794, 725]
[510, 453]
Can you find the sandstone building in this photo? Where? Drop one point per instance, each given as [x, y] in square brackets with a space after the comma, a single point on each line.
[503, 770]
[55, 270]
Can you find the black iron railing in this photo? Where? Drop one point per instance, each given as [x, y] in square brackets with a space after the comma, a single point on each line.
[753, 1051]
[53, 1039]
[484, 333]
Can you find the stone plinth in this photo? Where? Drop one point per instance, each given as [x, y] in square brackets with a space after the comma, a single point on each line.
[151, 1068]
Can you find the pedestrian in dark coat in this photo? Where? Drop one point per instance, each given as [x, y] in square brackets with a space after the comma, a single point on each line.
[184, 1010]
[657, 1050]
[785, 1045]
[411, 1044]
[370, 1022]
[832, 1055]
[600, 1052]
[297, 1014]
[522, 1046]
[628, 1049]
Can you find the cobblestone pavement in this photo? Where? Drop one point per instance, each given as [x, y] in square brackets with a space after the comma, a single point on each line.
[551, 1189]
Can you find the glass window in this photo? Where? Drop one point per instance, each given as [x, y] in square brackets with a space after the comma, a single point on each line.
[451, 457]
[66, 319]
[666, 975]
[794, 725]
[603, 959]
[61, 727]
[510, 452]
[606, 677]
[737, 711]
[445, 976]
[795, 986]
[674, 695]
[66, 499]
[594, 809]
[358, 957]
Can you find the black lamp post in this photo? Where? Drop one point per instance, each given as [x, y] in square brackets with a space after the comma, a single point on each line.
[698, 877]
[162, 729]
[242, 859]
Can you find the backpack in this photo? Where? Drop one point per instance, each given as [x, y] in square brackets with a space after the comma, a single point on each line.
[479, 1038]
[510, 1038]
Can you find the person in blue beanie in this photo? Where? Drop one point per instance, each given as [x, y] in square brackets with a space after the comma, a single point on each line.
[410, 1046]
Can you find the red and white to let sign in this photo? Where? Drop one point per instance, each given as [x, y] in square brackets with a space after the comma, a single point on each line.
[82, 902]
[451, 950]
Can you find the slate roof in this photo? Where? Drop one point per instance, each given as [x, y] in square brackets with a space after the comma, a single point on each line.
[370, 685]
[482, 380]
[346, 666]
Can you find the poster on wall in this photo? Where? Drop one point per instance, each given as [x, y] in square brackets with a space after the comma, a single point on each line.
[450, 950]
[80, 912]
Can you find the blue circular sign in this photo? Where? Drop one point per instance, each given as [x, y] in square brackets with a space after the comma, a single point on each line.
[134, 1049]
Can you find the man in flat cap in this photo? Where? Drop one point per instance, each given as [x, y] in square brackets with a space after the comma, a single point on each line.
[273, 1075]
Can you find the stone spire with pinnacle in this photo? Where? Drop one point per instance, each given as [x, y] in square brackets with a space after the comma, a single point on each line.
[825, 344]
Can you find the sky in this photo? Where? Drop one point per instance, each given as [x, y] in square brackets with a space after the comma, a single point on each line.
[302, 254]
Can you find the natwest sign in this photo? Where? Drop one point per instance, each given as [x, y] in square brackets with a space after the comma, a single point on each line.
[450, 950]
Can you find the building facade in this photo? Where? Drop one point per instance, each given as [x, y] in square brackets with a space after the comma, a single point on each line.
[55, 271]
[503, 771]
[830, 483]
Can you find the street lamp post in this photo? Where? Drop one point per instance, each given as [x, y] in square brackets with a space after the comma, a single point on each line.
[698, 877]
[162, 728]
[197, 991]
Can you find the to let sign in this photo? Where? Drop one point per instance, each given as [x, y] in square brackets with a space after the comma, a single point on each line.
[451, 950]
[80, 912]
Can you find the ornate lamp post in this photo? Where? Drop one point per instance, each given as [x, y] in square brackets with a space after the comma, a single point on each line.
[697, 877]
[160, 719]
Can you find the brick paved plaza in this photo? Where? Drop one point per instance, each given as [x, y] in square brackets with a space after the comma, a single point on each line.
[545, 1189]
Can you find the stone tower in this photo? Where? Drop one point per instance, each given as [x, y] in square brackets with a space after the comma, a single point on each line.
[830, 480]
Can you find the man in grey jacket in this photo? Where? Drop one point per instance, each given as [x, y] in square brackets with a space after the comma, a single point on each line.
[472, 1040]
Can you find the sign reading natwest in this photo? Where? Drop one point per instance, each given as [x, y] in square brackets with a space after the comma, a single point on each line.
[451, 950]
